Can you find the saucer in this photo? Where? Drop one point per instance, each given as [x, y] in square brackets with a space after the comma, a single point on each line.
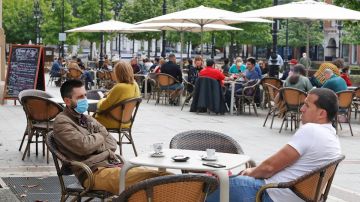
[205, 158]
[180, 158]
[161, 154]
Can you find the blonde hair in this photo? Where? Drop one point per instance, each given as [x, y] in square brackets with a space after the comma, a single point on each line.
[238, 59]
[124, 72]
[162, 61]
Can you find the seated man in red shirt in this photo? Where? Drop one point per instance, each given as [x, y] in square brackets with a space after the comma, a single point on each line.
[211, 72]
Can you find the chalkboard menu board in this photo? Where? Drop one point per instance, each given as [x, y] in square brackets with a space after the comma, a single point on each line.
[25, 70]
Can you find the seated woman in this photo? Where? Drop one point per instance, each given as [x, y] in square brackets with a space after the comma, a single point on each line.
[125, 88]
[298, 80]
[345, 74]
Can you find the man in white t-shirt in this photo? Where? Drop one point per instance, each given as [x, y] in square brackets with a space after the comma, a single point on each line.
[313, 145]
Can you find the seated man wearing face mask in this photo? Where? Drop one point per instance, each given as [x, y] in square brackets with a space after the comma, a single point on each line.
[81, 138]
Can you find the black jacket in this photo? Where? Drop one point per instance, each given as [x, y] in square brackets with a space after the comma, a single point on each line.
[173, 70]
[208, 95]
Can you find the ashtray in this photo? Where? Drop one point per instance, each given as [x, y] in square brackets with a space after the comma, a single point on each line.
[180, 158]
[160, 154]
[205, 158]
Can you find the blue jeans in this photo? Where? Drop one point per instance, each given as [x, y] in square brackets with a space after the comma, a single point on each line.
[242, 189]
[174, 86]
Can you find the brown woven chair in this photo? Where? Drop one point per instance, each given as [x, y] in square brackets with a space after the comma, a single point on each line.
[74, 73]
[188, 94]
[180, 188]
[272, 92]
[356, 101]
[123, 112]
[247, 97]
[94, 95]
[294, 99]
[154, 86]
[311, 187]
[39, 113]
[205, 139]
[272, 81]
[62, 165]
[345, 100]
[33, 92]
[164, 80]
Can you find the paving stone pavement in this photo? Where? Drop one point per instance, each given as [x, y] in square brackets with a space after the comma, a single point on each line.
[159, 123]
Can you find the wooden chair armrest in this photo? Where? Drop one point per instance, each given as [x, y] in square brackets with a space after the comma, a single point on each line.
[88, 172]
[260, 192]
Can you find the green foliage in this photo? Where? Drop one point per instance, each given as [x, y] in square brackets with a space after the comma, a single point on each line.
[51, 25]
[18, 21]
[138, 10]
[298, 33]
[89, 13]
[352, 29]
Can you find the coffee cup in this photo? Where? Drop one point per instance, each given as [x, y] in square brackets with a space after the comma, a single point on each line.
[210, 153]
[158, 147]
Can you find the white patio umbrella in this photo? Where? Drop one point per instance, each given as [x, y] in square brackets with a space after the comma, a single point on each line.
[185, 27]
[109, 27]
[306, 10]
[202, 15]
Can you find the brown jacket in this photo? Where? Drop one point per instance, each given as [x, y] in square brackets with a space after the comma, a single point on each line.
[82, 138]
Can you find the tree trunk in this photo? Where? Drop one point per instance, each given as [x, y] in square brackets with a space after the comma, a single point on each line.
[91, 50]
[149, 48]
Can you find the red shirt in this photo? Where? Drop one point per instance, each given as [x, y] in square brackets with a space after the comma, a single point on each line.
[347, 79]
[213, 73]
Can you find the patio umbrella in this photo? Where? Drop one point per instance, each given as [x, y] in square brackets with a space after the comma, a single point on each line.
[307, 10]
[185, 27]
[202, 16]
[111, 26]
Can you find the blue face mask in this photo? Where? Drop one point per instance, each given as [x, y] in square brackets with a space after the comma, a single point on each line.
[82, 106]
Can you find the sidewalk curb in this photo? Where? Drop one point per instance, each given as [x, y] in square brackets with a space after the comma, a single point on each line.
[344, 194]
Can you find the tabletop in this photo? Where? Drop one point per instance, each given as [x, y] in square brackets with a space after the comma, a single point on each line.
[194, 163]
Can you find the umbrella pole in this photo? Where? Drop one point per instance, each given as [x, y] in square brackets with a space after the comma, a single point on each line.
[308, 40]
[181, 51]
[201, 39]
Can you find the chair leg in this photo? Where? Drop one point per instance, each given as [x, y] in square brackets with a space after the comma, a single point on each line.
[36, 143]
[132, 143]
[27, 148]
[282, 123]
[267, 116]
[22, 141]
[272, 118]
[255, 110]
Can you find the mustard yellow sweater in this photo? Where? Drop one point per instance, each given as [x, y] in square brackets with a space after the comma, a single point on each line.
[118, 93]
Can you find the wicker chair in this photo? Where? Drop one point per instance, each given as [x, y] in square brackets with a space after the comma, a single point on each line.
[294, 99]
[206, 139]
[164, 80]
[272, 81]
[154, 86]
[74, 73]
[248, 97]
[94, 95]
[62, 165]
[39, 112]
[311, 187]
[123, 112]
[188, 94]
[356, 101]
[28, 92]
[184, 188]
[345, 100]
[272, 92]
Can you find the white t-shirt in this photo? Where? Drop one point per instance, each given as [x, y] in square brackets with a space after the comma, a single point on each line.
[317, 144]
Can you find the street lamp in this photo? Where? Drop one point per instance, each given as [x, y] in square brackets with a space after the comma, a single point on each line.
[117, 9]
[274, 67]
[101, 61]
[62, 34]
[339, 26]
[163, 53]
[37, 16]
